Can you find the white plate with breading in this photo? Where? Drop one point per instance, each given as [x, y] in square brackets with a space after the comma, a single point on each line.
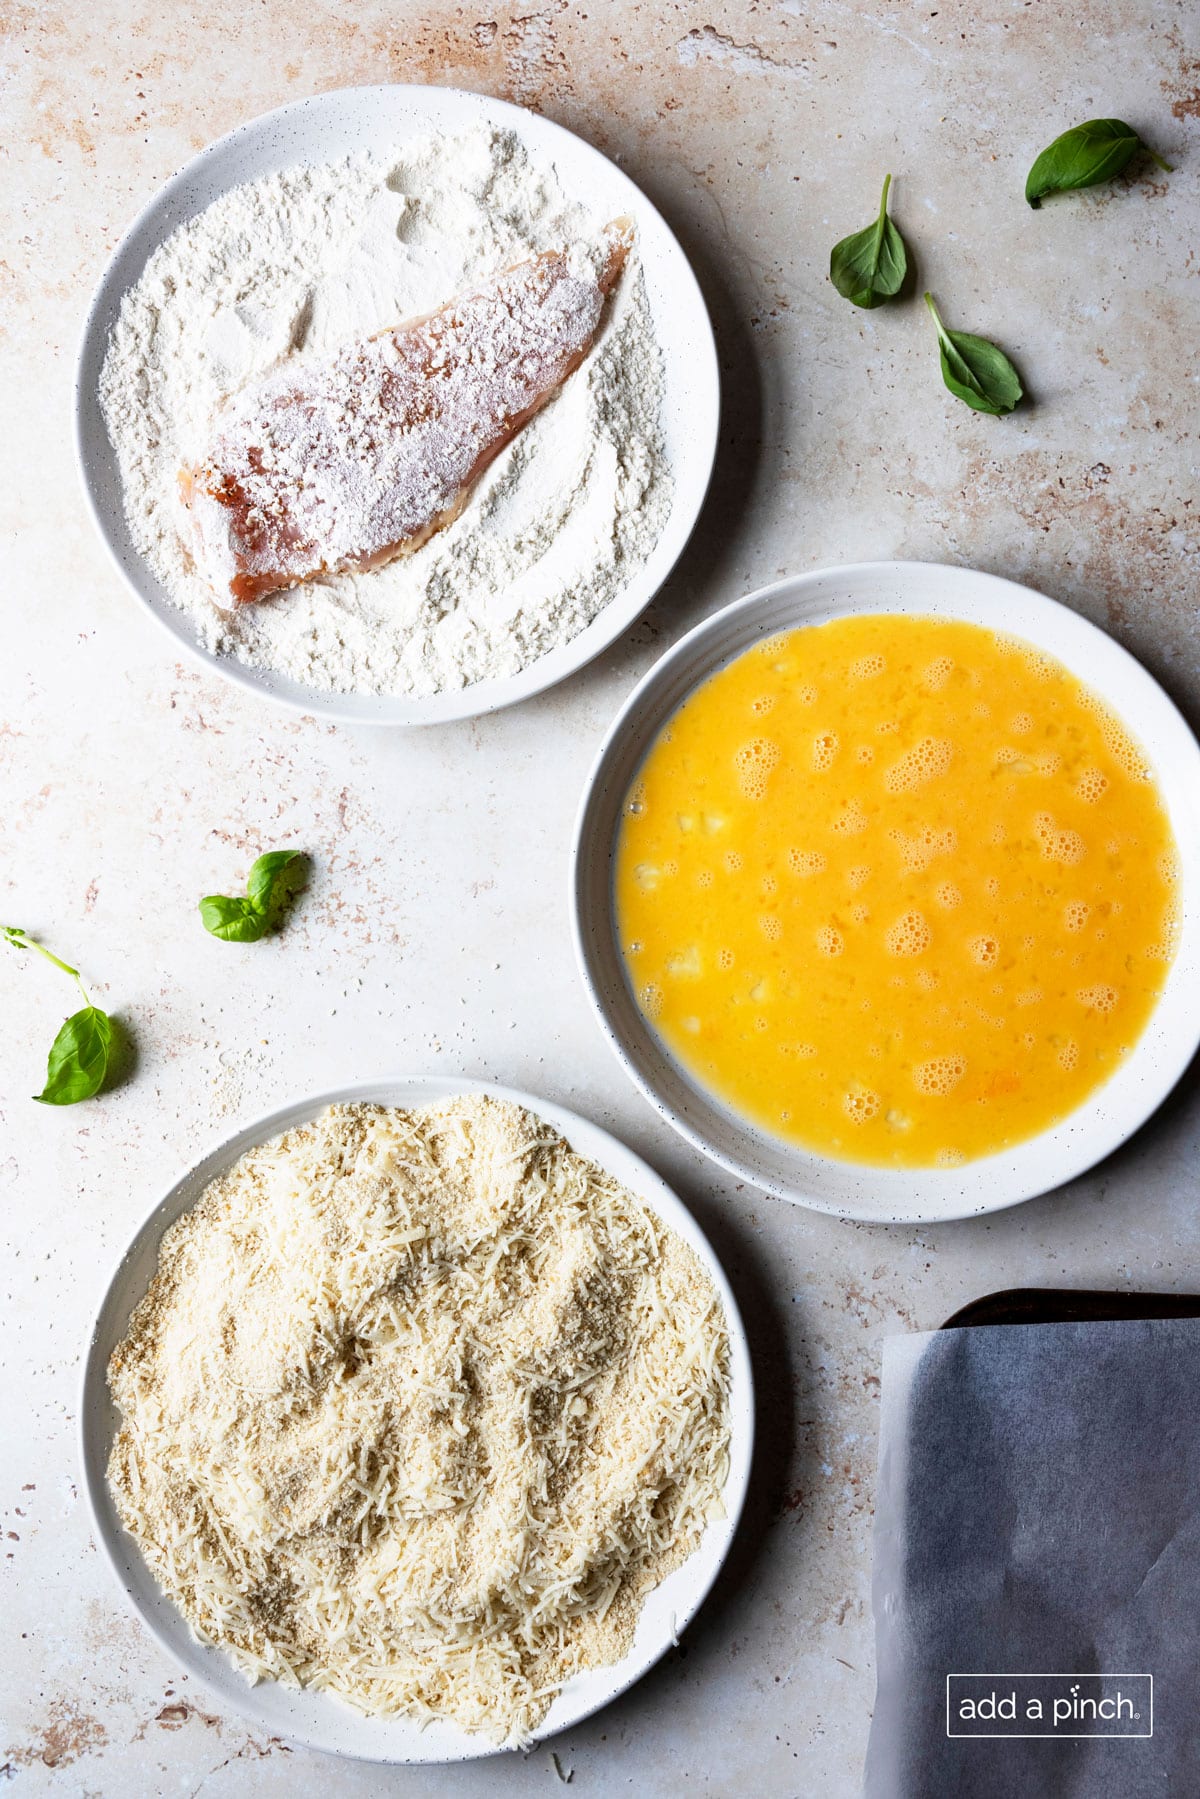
[312, 1718]
[381, 122]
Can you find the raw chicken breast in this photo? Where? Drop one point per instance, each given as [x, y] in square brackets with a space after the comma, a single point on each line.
[349, 461]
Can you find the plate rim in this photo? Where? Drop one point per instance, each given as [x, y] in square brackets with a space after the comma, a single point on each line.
[93, 1437]
[451, 704]
[584, 919]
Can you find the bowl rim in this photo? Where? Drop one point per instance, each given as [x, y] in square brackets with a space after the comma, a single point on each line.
[97, 1419]
[585, 921]
[395, 712]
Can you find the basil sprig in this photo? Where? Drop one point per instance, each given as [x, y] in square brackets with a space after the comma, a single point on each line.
[869, 267]
[1085, 156]
[976, 370]
[80, 1054]
[238, 920]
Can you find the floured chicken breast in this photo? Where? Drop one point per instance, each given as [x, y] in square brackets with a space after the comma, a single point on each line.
[347, 462]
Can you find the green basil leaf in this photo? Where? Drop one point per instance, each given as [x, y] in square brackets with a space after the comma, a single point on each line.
[979, 373]
[1085, 156]
[869, 267]
[78, 1059]
[233, 920]
[246, 920]
[263, 878]
[975, 370]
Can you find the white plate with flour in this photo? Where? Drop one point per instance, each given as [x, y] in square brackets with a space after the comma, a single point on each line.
[323, 222]
[312, 1718]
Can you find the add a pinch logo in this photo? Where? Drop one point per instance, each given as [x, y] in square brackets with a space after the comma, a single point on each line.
[1050, 1705]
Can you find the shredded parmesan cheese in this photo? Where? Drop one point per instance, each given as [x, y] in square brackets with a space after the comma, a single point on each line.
[418, 1408]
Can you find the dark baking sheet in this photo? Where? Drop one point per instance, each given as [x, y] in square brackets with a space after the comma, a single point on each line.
[1070, 1305]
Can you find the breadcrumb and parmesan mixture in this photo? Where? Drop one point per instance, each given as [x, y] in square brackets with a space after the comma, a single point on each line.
[418, 1408]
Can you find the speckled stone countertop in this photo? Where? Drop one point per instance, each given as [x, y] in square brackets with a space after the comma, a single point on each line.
[131, 785]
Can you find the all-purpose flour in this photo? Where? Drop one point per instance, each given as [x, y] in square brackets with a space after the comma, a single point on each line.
[301, 262]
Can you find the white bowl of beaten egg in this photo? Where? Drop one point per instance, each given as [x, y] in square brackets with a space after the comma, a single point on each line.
[886, 891]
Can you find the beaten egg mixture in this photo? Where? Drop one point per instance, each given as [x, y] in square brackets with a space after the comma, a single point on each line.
[899, 890]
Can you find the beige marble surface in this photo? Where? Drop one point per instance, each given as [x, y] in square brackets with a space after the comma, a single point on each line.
[435, 934]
